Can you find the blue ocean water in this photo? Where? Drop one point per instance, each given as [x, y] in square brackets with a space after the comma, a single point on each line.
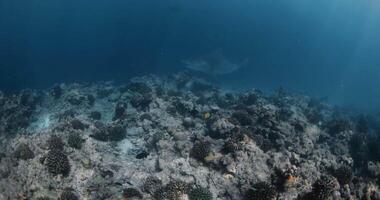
[326, 48]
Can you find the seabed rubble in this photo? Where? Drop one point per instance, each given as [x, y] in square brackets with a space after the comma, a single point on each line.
[180, 137]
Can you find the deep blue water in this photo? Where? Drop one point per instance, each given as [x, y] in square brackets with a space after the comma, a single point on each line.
[324, 48]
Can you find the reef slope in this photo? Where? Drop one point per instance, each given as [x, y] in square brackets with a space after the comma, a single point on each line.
[179, 137]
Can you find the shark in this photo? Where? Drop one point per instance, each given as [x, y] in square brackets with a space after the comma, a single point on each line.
[213, 64]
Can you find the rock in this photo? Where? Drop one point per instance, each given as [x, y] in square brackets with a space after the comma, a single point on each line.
[78, 125]
[180, 136]
[56, 91]
[120, 111]
[95, 115]
[109, 132]
[188, 122]
[221, 128]
[142, 155]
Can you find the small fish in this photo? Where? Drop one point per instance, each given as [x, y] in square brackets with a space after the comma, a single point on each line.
[206, 115]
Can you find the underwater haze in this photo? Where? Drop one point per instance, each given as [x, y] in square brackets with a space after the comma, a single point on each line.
[324, 48]
[190, 99]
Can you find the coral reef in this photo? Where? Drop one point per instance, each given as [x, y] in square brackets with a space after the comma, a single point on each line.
[108, 132]
[337, 126]
[323, 188]
[75, 141]
[57, 163]
[242, 117]
[138, 87]
[180, 137]
[200, 193]
[131, 192]
[261, 191]
[201, 150]
[151, 184]
[55, 143]
[23, 152]
[78, 125]
[56, 91]
[172, 191]
[95, 115]
[141, 101]
[120, 110]
[16, 111]
[344, 175]
[68, 194]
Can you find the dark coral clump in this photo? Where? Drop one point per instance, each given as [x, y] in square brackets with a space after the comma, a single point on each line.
[146, 116]
[141, 155]
[57, 163]
[226, 100]
[183, 109]
[362, 125]
[243, 118]
[76, 100]
[283, 178]
[109, 132]
[364, 147]
[120, 111]
[78, 125]
[2, 155]
[337, 126]
[374, 148]
[176, 189]
[261, 191]
[68, 194]
[55, 143]
[235, 142]
[200, 150]
[141, 101]
[250, 99]
[157, 137]
[17, 113]
[138, 87]
[131, 193]
[267, 138]
[116, 133]
[322, 188]
[104, 92]
[67, 114]
[30, 99]
[75, 141]
[200, 193]
[172, 191]
[160, 194]
[23, 152]
[231, 146]
[299, 127]
[268, 120]
[95, 115]
[151, 184]
[159, 90]
[359, 149]
[91, 99]
[284, 113]
[343, 174]
[17, 121]
[43, 198]
[56, 91]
